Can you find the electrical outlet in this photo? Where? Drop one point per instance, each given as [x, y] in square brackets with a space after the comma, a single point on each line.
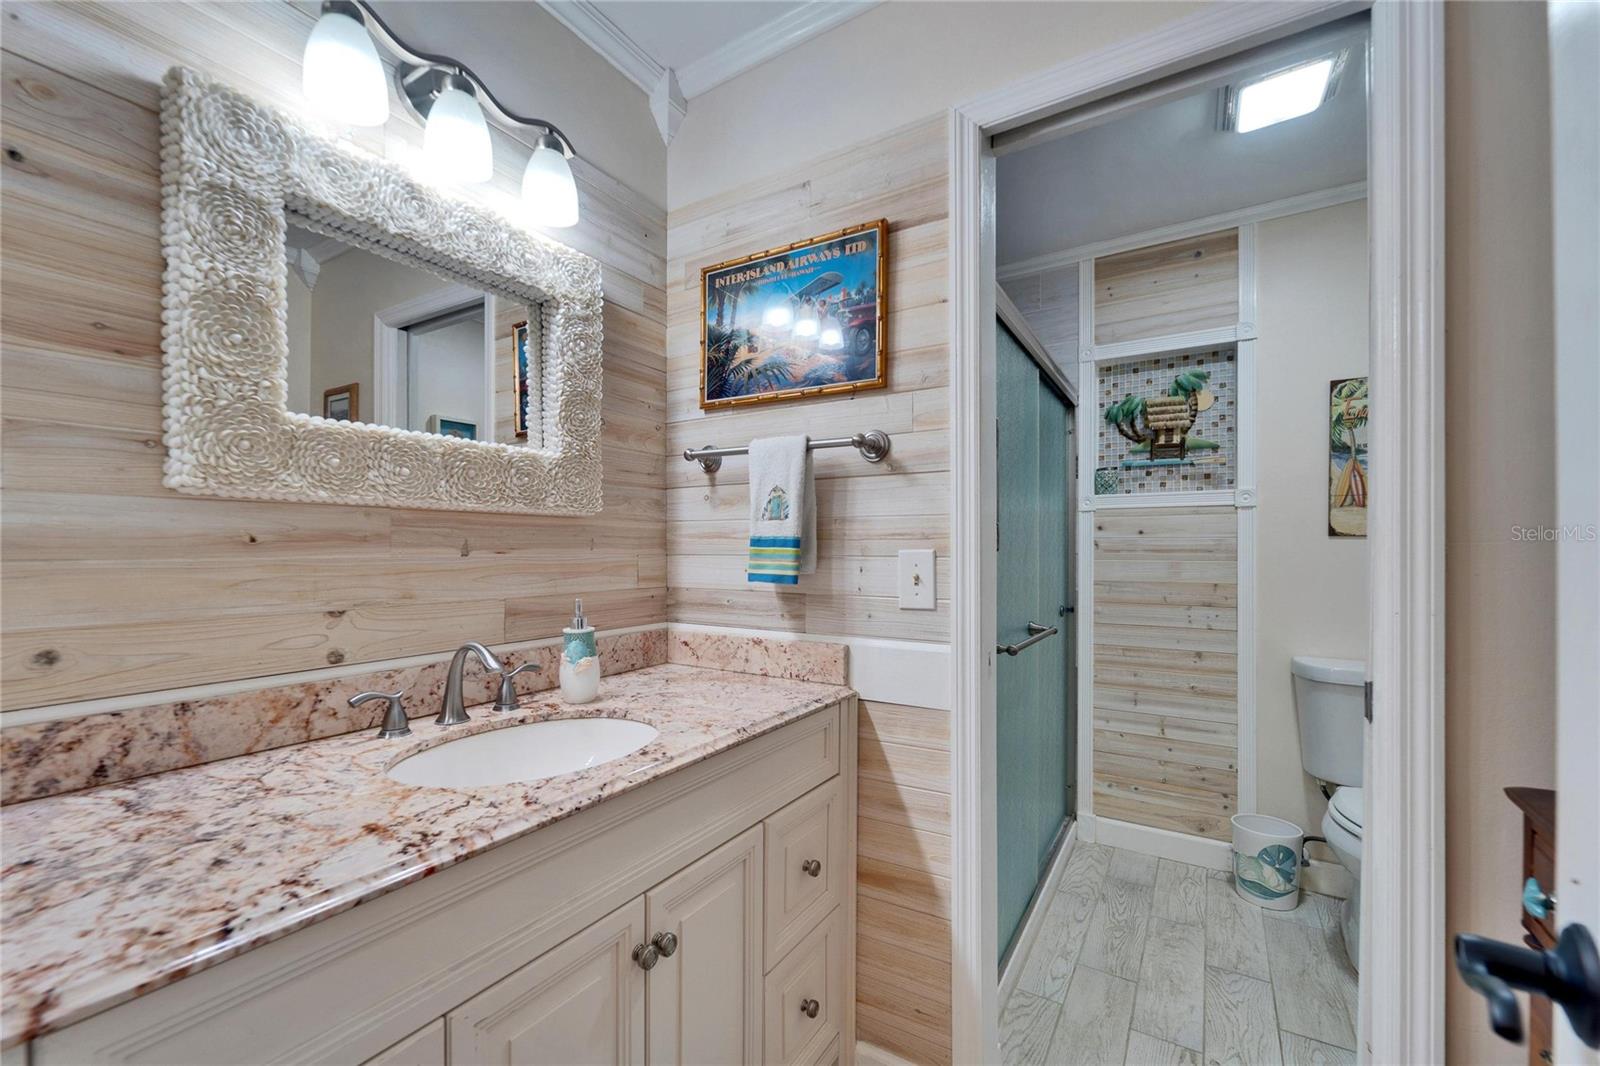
[916, 579]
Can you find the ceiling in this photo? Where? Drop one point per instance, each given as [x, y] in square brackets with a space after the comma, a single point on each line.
[677, 49]
[1169, 163]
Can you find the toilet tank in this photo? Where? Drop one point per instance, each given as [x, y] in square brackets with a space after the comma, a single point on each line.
[1328, 701]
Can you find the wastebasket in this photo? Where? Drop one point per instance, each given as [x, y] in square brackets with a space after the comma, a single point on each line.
[1266, 861]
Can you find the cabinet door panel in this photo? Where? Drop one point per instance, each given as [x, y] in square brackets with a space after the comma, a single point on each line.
[580, 1003]
[704, 1000]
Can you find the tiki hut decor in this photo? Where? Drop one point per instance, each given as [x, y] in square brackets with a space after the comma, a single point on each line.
[1160, 425]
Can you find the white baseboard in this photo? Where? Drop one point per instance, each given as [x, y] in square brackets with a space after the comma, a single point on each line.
[1197, 851]
[1035, 921]
[910, 672]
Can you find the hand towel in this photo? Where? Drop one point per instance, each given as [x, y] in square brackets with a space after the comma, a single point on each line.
[783, 519]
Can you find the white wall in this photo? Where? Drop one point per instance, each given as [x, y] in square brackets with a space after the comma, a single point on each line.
[1499, 471]
[897, 63]
[1311, 599]
[299, 323]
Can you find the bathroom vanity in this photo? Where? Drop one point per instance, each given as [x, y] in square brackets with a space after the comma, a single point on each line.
[688, 902]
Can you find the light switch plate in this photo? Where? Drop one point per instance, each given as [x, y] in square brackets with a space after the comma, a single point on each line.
[916, 579]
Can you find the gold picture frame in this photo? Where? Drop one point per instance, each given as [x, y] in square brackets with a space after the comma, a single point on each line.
[802, 320]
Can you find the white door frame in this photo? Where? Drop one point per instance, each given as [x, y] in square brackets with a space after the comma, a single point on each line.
[1402, 993]
[389, 348]
[1574, 33]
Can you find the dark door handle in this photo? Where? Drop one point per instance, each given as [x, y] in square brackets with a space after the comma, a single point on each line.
[1569, 975]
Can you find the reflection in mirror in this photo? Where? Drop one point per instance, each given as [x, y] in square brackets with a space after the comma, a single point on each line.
[375, 340]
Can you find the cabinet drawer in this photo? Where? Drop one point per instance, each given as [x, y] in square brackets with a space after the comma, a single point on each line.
[805, 844]
[810, 978]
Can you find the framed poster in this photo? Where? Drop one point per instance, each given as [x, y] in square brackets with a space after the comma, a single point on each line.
[452, 427]
[1347, 458]
[807, 319]
[342, 402]
[519, 377]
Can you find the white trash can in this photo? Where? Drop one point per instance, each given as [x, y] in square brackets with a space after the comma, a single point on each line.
[1266, 861]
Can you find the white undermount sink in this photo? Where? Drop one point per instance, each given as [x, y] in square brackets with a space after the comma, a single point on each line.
[524, 752]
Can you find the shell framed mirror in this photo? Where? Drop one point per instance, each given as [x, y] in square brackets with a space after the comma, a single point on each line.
[337, 331]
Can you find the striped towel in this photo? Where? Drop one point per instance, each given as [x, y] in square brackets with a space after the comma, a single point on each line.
[783, 522]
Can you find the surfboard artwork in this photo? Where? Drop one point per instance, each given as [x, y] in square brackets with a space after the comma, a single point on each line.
[807, 319]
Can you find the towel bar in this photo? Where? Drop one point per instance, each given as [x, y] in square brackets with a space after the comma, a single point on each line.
[873, 446]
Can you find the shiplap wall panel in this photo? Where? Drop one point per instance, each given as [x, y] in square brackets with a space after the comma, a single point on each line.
[113, 584]
[902, 890]
[902, 502]
[1166, 682]
[1178, 287]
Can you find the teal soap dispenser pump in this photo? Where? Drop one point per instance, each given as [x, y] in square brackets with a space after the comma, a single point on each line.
[580, 661]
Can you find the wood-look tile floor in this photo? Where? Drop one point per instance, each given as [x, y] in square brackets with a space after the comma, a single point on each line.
[1143, 961]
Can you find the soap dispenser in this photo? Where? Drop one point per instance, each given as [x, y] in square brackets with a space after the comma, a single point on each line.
[580, 662]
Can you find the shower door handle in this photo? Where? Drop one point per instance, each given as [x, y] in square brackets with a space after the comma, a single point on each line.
[1036, 632]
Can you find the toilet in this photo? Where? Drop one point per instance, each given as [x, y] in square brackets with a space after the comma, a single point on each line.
[1328, 699]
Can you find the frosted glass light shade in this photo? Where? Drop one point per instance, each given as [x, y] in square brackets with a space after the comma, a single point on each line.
[455, 141]
[1289, 94]
[548, 190]
[341, 73]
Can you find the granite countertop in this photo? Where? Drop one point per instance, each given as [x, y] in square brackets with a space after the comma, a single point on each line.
[114, 892]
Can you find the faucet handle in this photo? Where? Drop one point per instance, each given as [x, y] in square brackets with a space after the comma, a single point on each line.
[507, 700]
[395, 722]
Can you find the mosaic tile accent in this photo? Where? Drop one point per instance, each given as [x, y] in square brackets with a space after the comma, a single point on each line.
[1151, 377]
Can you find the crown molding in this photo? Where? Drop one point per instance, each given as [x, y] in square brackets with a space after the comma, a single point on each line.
[763, 43]
[604, 36]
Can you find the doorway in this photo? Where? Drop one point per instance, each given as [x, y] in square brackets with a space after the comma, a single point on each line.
[1400, 1015]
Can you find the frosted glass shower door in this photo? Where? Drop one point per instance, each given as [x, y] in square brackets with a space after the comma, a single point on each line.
[1032, 708]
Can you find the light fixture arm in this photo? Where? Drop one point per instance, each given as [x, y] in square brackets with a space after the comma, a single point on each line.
[420, 76]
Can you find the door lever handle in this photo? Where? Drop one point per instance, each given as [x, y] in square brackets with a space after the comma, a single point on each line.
[1036, 632]
[1569, 975]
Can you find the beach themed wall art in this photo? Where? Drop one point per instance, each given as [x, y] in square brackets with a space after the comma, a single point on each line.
[520, 379]
[1347, 458]
[1168, 424]
[807, 319]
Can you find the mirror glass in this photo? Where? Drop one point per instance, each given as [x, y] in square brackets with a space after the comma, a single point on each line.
[386, 342]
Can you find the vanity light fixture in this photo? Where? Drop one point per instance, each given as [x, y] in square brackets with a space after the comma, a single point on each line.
[547, 185]
[343, 77]
[1282, 94]
[455, 140]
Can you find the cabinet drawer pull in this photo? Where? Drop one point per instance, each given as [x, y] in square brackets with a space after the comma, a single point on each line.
[809, 1007]
[666, 943]
[812, 867]
[646, 955]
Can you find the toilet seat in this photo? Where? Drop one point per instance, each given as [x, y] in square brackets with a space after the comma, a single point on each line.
[1346, 808]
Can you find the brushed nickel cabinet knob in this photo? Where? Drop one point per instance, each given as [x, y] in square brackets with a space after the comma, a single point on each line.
[646, 955]
[809, 1007]
[666, 943]
[812, 867]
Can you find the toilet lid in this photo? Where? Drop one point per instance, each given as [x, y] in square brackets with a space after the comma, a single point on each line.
[1346, 806]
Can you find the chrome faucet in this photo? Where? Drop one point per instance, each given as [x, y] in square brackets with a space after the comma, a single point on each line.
[454, 711]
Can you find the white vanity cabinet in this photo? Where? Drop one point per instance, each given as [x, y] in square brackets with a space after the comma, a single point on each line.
[736, 869]
[581, 1003]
